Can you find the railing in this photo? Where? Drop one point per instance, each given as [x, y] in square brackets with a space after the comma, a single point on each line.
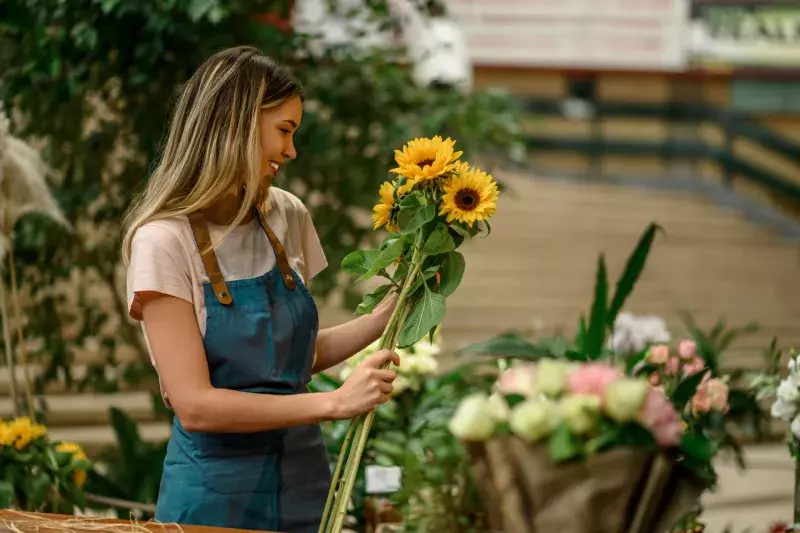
[733, 125]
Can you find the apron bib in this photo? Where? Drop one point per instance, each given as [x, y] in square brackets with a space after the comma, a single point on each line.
[260, 338]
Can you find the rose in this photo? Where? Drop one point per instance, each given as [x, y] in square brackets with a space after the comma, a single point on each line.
[533, 419]
[654, 379]
[624, 398]
[694, 366]
[687, 349]
[783, 410]
[551, 376]
[592, 378]
[787, 391]
[520, 379]
[580, 412]
[474, 419]
[671, 368]
[658, 354]
[499, 407]
[660, 417]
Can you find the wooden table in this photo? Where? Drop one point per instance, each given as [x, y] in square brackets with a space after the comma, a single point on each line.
[31, 519]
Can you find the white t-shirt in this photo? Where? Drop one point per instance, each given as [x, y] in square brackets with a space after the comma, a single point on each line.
[165, 258]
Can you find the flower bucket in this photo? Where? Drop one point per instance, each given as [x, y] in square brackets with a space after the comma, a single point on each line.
[624, 490]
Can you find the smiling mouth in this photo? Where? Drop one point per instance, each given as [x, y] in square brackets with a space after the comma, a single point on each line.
[275, 166]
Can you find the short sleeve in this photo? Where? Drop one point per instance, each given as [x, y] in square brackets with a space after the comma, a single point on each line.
[159, 263]
[313, 253]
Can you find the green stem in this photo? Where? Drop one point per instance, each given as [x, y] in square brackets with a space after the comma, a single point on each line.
[332, 491]
[388, 341]
[796, 486]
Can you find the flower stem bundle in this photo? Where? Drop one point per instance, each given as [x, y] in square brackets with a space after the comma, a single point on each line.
[434, 205]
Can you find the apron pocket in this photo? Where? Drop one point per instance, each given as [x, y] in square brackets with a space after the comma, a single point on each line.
[242, 474]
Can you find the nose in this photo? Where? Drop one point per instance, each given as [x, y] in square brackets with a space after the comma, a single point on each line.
[289, 152]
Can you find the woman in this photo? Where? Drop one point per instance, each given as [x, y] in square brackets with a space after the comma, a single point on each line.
[218, 266]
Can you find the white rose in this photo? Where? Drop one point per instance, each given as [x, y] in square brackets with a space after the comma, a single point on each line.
[425, 348]
[426, 364]
[783, 411]
[581, 412]
[474, 419]
[551, 376]
[787, 391]
[500, 408]
[796, 427]
[533, 420]
[400, 384]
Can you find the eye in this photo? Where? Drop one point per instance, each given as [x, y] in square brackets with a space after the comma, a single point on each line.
[285, 131]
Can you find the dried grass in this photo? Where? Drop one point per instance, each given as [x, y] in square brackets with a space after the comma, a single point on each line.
[34, 523]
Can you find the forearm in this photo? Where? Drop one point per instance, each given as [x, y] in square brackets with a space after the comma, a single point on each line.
[229, 411]
[338, 343]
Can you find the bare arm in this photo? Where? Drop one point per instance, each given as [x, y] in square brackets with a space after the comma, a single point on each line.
[338, 343]
[181, 361]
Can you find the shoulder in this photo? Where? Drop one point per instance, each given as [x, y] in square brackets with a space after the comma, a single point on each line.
[287, 203]
[168, 237]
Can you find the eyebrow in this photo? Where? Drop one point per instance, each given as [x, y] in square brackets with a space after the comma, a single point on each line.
[292, 122]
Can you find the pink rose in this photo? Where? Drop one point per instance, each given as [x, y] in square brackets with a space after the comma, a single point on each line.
[671, 368]
[518, 380]
[659, 416]
[592, 378]
[654, 379]
[711, 395]
[694, 366]
[658, 354]
[687, 349]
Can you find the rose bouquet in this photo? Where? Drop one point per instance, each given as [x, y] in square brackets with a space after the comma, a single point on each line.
[436, 202]
[582, 447]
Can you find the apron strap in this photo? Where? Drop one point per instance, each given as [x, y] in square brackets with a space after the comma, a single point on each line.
[280, 253]
[203, 239]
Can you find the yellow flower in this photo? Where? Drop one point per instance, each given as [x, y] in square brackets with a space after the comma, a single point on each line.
[5, 435]
[470, 195]
[24, 431]
[381, 213]
[77, 455]
[424, 160]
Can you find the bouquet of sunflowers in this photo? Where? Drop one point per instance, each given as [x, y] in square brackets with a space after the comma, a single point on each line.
[38, 474]
[435, 203]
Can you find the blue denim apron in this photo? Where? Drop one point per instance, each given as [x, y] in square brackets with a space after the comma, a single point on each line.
[260, 338]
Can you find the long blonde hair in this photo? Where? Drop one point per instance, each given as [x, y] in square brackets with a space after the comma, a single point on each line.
[213, 140]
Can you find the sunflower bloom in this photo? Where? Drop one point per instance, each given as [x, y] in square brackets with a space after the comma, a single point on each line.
[382, 212]
[24, 431]
[424, 160]
[470, 195]
[77, 455]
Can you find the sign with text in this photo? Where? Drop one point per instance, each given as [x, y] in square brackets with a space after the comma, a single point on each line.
[615, 34]
[754, 34]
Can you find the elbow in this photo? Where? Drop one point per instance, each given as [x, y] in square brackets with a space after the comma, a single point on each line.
[193, 416]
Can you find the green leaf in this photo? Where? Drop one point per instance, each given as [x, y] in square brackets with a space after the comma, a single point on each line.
[630, 275]
[698, 446]
[388, 255]
[63, 459]
[686, 390]
[562, 445]
[604, 440]
[596, 336]
[36, 487]
[372, 299]
[6, 494]
[452, 271]
[510, 344]
[428, 312]
[359, 262]
[439, 241]
[410, 220]
[425, 275]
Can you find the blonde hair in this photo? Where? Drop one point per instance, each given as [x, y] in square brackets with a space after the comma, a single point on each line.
[213, 140]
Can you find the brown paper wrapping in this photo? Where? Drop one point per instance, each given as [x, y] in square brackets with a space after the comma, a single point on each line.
[625, 490]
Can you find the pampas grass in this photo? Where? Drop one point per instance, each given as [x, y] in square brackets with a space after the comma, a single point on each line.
[20, 522]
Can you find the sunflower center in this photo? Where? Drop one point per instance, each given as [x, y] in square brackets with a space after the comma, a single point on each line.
[428, 162]
[467, 199]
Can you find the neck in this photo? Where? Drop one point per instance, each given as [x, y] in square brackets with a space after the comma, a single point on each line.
[224, 210]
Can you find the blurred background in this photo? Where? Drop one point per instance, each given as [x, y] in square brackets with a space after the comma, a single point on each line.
[596, 116]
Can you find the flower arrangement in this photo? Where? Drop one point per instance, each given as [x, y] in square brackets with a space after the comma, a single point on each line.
[435, 203]
[565, 428]
[39, 474]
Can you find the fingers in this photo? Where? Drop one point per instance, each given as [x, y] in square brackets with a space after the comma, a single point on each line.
[383, 356]
[385, 375]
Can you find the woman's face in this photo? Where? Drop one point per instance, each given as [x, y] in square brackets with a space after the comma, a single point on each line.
[277, 126]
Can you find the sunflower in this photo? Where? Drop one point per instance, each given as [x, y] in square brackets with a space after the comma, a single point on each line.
[382, 212]
[425, 159]
[24, 431]
[470, 195]
[77, 455]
